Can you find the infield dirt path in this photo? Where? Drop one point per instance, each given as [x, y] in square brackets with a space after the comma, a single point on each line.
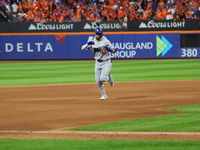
[52, 108]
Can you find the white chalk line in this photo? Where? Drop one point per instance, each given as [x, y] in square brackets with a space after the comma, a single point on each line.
[104, 132]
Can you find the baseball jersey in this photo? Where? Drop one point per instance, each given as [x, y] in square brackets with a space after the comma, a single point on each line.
[98, 55]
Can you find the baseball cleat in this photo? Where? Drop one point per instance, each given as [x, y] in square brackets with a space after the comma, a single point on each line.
[103, 97]
[111, 81]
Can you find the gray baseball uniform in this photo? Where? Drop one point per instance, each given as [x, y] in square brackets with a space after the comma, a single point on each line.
[103, 62]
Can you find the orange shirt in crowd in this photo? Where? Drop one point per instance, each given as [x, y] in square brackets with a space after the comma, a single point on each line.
[111, 2]
[125, 3]
[110, 18]
[86, 14]
[30, 15]
[58, 8]
[188, 14]
[42, 4]
[25, 6]
[161, 5]
[30, 5]
[37, 4]
[145, 15]
[78, 12]
[113, 15]
[35, 12]
[46, 6]
[37, 19]
[104, 12]
[71, 1]
[20, 8]
[164, 13]
[92, 17]
[93, 9]
[149, 8]
[77, 19]
[51, 6]
[120, 13]
[53, 17]
[158, 15]
[44, 15]
[61, 19]
[131, 9]
[140, 17]
[132, 17]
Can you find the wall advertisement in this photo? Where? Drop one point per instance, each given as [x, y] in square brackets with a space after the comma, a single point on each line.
[68, 46]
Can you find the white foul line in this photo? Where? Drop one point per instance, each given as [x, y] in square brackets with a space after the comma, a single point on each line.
[105, 132]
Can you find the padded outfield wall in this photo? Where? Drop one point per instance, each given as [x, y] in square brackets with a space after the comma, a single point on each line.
[64, 41]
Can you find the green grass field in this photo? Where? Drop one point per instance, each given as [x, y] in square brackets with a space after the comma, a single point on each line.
[62, 72]
[35, 144]
[188, 121]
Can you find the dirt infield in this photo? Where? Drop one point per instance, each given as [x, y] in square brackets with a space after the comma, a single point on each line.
[43, 111]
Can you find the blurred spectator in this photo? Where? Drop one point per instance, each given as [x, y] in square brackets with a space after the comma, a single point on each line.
[98, 17]
[124, 22]
[169, 16]
[92, 17]
[120, 13]
[29, 15]
[159, 14]
[161, 5]
[150, 7]
[20, 8]
[176, 16]
[111, 3]
[25, 7]
[8, 10]
[58, 2]
[78, 13]
[182, 16]
[170, 3]
[144, 15]
[189, 13]
[140, 10]
[164, 13]
[144, 4]
[172, 10]
[14, 8]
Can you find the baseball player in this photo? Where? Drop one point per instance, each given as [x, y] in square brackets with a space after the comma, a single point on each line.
[101, 48]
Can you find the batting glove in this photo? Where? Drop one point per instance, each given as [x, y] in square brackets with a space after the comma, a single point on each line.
[90, 43]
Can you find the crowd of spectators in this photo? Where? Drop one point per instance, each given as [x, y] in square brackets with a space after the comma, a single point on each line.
[184, 10]
[99, 10]
[77, 10]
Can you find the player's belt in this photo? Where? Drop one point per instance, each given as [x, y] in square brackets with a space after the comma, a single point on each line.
[103, 60]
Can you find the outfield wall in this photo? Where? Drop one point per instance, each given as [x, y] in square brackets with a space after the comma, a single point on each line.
[131, 45]
[134, 40]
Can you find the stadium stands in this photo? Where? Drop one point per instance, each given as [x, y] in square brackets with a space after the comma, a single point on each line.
[98, 10]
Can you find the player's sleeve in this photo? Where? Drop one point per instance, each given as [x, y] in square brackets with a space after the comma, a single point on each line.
[108, 43]
[110, 47]
[86, 47]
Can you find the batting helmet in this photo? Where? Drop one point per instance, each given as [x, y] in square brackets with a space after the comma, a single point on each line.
[99, 31]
